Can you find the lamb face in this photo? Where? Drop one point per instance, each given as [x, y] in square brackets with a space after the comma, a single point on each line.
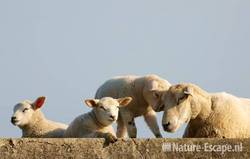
[106, 109]
[154, 90]
[23, 111]
[177, 109]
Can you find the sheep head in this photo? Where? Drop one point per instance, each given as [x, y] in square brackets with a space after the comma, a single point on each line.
[178, 106]
[24, 111]
[106, 109]
[154, 90]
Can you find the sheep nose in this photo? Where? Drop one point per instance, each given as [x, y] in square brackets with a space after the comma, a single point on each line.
[13, 119]
[112, 116]
[165, 126]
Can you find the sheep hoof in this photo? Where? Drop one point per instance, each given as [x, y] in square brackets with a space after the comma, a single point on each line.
[158, 136]
[110, 138]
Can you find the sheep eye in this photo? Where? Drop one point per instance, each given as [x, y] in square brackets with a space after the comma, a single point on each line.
[156, 95]
[161, 107]
[181, 99]
[102, 108]
[25, 109]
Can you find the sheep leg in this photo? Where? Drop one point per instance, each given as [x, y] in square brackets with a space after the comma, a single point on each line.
[131, 127]
[109, 138]
[151, 120]
[129, 122]
[121, 128]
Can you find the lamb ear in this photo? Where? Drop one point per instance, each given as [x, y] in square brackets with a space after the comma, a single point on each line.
[39, 102]
[92, 102]
[124, 101]
[188, 91]
[152, 85]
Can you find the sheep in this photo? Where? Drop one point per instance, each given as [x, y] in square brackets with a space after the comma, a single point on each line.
[98, 122]
[28, 117]
[208, 115]
[146, 92]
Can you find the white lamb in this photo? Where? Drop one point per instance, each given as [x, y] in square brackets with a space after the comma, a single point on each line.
[28, 117]
[146, 92]
[98, 122]
[208, 115]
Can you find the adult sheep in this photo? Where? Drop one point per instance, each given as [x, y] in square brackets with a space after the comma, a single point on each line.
[146, 92]
[28, 117]
[208, 115]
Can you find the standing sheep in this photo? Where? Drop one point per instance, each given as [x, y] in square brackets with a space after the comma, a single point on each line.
[98, 122]
[146, 92]
[208, 115]
[28, 117]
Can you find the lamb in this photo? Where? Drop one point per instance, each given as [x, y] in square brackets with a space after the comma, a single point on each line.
[208, 115]
[146, 92]
[28, 117]
[98, 122]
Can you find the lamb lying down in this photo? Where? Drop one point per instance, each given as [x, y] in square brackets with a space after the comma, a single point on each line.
[98, 122]
[28, 117]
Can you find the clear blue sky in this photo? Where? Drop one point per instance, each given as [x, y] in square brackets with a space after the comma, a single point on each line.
[66, 49]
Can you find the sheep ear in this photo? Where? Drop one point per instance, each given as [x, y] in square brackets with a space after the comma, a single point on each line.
[188, 91]
[124, 101]
[39, 102]
[92, 102]
[152, 85]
